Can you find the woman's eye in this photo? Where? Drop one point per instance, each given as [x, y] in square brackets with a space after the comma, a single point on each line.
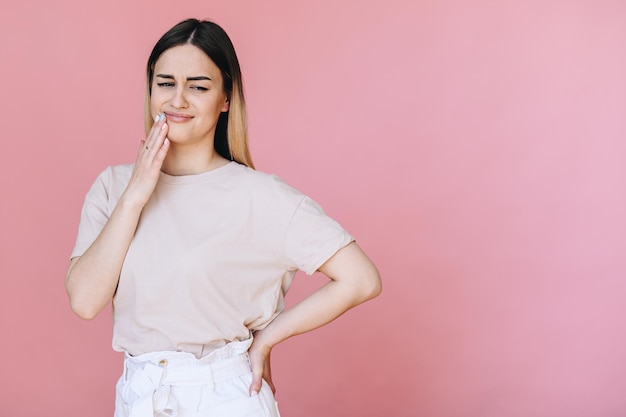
[165, 84]
[199, 88]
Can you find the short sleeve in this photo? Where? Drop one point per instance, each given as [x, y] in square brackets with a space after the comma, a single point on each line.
[94, 215]
[312, 237]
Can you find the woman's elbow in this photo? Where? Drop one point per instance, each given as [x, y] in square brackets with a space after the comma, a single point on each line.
[81, 305]
[374, 285]
[83, 310]
[368, 285]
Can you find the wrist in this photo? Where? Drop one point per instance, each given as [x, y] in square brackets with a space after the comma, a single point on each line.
[129, 204]
[262, 339]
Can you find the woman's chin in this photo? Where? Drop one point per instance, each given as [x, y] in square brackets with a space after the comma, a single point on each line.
[176, 138]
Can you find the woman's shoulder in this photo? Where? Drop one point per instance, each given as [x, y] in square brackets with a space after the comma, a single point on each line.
[265, 182]
[116, 170]
[121, 169]
[112, 177]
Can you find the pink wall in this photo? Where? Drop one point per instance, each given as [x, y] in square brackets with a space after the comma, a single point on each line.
[476, 151]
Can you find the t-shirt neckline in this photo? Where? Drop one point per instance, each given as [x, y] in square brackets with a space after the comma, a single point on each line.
[198, 178]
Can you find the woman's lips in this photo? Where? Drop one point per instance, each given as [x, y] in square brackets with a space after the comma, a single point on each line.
[177, 117]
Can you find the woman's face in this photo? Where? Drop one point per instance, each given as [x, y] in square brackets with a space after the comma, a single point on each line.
[187, 87]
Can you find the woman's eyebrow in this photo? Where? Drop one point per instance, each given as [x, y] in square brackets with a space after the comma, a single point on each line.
[197, 78]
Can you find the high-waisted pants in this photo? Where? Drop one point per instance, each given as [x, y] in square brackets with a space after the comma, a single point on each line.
[177, 384]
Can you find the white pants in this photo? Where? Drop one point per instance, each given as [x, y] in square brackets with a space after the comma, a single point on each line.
[176, 384]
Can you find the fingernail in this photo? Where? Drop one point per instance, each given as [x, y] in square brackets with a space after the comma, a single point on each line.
[254, 393]
[157, 117]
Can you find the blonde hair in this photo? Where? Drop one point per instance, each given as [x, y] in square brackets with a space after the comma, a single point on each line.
[237, 130]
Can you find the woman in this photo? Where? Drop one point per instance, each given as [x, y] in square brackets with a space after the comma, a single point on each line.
[196, 249]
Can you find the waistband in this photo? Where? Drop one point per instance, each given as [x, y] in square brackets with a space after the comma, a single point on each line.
[151, 375]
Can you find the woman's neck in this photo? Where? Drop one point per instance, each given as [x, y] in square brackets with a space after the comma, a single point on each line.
[191, 159]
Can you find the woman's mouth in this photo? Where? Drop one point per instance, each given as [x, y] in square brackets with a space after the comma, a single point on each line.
[177, 117]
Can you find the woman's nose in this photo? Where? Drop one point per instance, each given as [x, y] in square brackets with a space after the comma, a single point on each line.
[179, 100]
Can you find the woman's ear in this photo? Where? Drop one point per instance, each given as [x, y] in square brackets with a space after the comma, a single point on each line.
[226, 105]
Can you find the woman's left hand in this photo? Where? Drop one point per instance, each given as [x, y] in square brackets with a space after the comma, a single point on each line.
[260, 361]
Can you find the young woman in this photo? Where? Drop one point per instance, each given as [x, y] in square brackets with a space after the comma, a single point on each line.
[196, 249]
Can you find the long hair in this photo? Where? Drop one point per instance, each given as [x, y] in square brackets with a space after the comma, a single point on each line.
[231, 132]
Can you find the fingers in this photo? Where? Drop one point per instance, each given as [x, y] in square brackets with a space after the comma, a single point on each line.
[267, 373]
[150, 158]
[153, 144]
[160, 156]
[257, 373]
[261, 370]
[257, 382]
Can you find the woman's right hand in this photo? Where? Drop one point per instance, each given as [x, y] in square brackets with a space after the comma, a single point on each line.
[92, 278]
[150, 158]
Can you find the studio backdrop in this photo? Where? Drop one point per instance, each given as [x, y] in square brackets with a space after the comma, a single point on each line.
[475, 149]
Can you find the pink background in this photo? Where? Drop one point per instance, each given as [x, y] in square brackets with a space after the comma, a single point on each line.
[475, 149]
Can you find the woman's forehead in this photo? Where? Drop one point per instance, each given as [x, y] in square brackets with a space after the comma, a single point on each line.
[186, 61]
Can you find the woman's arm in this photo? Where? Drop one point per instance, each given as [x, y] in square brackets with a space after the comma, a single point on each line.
[92, 278]
[353, 280]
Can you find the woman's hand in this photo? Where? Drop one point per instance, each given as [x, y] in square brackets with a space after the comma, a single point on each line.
[92, 278]
[150, 158]
[260, 361]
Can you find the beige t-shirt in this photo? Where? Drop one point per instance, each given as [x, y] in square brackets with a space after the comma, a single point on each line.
[212, 257]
